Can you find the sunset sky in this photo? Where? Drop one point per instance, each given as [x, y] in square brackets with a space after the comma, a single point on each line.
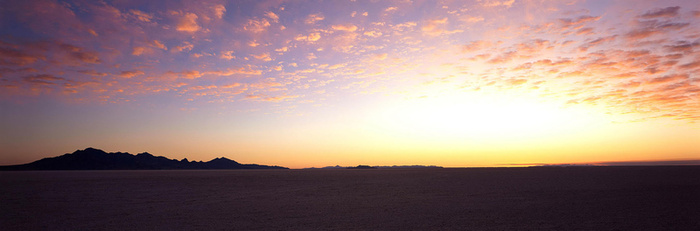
[316, 83]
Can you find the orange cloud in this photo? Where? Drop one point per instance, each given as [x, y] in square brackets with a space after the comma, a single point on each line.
[311, 37]
[140, 15]
[373, 33]
[345, 27]
[228, 55]
[219, 11]
[185, 46]
[188, 23]
[129, 74]
[313, 18]
[471, 19]
[159, 45]
[494, 3]
[264, 57]
[272, 16]
[137, 51]
[433, 27]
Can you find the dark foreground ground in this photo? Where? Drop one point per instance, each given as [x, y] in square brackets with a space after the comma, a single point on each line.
[573, 198]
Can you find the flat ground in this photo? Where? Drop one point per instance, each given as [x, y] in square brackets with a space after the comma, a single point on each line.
[572, 198]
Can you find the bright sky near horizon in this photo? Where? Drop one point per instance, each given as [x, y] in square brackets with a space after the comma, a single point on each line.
[317, 83]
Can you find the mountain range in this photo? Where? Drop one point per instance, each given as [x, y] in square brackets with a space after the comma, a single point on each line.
[96, 159]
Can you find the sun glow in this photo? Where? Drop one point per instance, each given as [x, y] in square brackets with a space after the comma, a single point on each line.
[485, 116]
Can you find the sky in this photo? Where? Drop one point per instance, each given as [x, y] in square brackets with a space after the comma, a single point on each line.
[318, 83]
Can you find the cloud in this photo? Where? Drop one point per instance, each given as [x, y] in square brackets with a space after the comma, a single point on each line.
[649, 28]
[43, 79]
[142, 16]
[477, 46]
[345, 27]
[130, 74]
[664, 12]
[138, 51]
[691, 65]
[159, 45]
[515, 82]
[188, 23]
[185, 46]
[471, 19]
[236, 71]
[282, 49]
[668, 78]
[373, 33]
[9, 56]
[494, 3]
[312, 37]
[219, 11]
[378, 57]
[228, 55]
[436, 27]
[313, 18]
[279, 98]
[92, 72]
[682, 47]
[577, 23]
[188, 74]
[264, 57]
[390, 9]
[78, 56]
[257, 25]
[272, 16]
[253, 43]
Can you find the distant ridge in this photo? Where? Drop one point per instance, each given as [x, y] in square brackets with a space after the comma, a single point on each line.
[96, 159]
[376, 167]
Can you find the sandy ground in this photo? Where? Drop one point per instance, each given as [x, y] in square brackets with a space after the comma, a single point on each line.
[590, 198]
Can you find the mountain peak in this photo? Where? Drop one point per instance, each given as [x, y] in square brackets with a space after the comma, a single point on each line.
[96, 159]
[90, 150]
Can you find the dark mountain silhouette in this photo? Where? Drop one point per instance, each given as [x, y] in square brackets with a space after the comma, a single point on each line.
[362, 167]
[96, 159]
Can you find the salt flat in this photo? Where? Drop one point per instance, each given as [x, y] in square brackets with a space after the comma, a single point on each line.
[571, 198]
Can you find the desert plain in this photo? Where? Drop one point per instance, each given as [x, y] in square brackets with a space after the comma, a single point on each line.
[527, 198]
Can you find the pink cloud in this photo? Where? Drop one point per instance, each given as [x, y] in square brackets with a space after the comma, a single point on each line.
[43, 79]
[668, 78]
[257, 25]
[664, 12]
[577, 23]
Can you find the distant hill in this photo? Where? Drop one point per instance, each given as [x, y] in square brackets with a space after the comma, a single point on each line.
[96, 159]
[375, 167]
